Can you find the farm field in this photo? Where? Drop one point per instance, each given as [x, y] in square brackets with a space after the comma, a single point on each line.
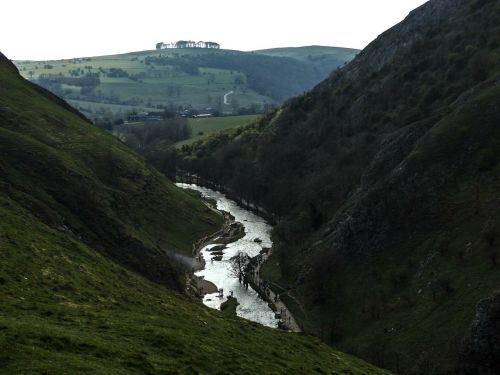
[203, 127]
[184, 79]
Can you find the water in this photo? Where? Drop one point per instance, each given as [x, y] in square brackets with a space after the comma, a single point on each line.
[251, 306]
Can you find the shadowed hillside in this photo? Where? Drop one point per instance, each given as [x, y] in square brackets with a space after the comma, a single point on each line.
[108, 190]
[383, 182]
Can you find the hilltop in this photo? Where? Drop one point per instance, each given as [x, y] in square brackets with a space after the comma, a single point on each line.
[185, 78]
[323, 58]
[88, 283]
[383, 182]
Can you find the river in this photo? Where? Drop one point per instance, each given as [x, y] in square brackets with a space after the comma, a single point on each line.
[251, 306]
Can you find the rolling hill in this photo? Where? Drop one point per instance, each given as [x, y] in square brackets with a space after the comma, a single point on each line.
[322, 58]
[87, 283]
[112, 86]
[383, 182]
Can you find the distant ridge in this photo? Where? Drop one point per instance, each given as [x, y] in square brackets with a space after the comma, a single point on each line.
[184, 78]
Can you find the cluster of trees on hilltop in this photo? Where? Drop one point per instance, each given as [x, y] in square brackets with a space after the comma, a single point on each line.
[188, 44]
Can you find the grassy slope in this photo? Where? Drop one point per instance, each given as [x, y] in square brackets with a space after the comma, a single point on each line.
[67, 308]
[312, 53]
[212, 125]
[109, 190]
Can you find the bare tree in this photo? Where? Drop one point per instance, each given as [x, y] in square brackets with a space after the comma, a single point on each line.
[238, 265]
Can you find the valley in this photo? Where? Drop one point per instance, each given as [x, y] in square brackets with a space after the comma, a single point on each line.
[295, 210]
[382, 183]
[88, 280]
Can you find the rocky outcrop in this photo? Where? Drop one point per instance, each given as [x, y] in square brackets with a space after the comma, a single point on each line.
[482, 353]
[403, 36]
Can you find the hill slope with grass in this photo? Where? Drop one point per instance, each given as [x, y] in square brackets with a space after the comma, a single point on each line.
[321, 57]
[383, 182]
[87, 183]
[112, 86]
[86, 283]
[203, 127]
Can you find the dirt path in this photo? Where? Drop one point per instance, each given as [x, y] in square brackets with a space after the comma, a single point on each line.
[296, 300]
[226, 102]
[287, 319]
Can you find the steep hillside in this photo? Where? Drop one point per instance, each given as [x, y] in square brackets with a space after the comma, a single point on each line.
[384, 182]
[86, 285]
[108, 190]
[67, 309]
[111, 86]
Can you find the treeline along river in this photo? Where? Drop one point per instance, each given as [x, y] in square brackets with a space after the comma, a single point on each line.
[257, 237]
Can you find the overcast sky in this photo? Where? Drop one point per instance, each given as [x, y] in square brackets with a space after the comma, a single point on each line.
[54, 29]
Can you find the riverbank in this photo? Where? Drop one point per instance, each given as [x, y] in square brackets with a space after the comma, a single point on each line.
[257, 210]
[214, 254]
[229, 307]
[231, 231]
[287, 321]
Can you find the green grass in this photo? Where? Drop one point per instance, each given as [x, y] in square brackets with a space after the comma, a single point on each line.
[312, 53]
[67, 309]
[229, 307]
[105, 108]
[203, 127]
[45, 145]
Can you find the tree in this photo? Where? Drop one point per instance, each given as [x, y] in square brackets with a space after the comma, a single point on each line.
[239, 80]
[238, 265]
